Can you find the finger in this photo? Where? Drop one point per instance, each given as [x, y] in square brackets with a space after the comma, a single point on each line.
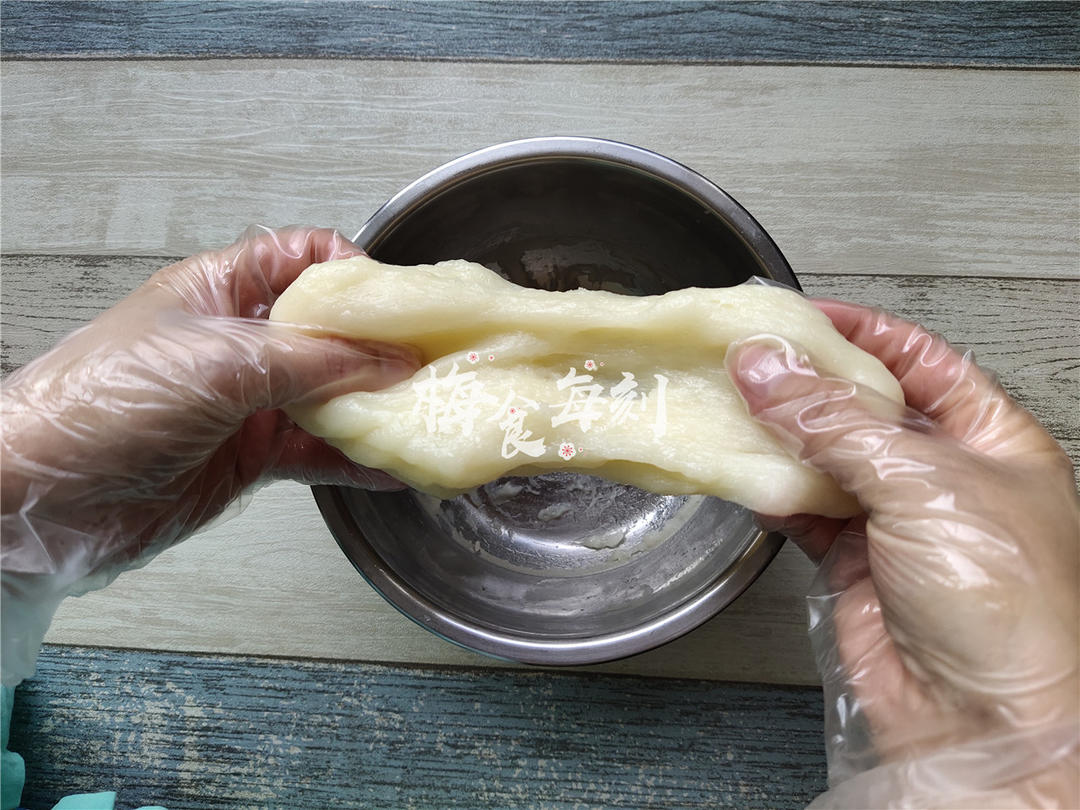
[311, 460]
[282, 255]
[308, 369]
[256, 364]
[270, 446]
[854, 434]
[813, 534]
[264, 262]
[244, 279]
[941, 382]
[898, 708]
[868, 666]
[847, 561]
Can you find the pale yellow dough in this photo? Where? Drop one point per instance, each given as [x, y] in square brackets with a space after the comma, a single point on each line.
[676, 426]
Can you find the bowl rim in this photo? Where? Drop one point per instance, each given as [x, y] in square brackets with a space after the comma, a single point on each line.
[728, 584]
[599, 150]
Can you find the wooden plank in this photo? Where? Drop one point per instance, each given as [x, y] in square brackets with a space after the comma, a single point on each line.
[890, 171]
[208, 732]
[1027, 331]
[747, 32]
[46, 297]
[273, 582]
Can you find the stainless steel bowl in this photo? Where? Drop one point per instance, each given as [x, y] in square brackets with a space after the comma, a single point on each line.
[562, 569]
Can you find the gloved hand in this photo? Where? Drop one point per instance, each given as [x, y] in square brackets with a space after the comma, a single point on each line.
[138, 428]
[945, 619]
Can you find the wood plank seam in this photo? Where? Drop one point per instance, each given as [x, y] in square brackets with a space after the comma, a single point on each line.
[166, 260]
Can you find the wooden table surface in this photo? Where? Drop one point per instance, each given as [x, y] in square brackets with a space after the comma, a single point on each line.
[924, 157]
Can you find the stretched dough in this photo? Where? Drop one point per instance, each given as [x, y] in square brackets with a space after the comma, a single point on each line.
[521, 381]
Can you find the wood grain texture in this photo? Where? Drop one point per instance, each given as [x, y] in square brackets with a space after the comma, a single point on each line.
[273, 582]
[947, 195]
[208, 732]
[1026, 330]
[891, 171]
[922, 33]
[47, 297]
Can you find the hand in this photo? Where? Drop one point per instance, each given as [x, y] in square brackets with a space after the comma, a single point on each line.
[945, 619]
[140, 427]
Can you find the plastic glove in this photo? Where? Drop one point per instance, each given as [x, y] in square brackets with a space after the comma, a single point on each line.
[944, 620]
[138, 428]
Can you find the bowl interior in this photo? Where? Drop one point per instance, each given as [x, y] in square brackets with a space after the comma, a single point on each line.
[563, 223]
[560, 556]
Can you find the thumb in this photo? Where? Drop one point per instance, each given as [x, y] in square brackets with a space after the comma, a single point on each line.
[273, 365]
[850, 432]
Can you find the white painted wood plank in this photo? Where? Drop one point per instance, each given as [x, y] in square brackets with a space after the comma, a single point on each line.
[272, 581]
[852, 170]
[1026, 330]
[894, 171]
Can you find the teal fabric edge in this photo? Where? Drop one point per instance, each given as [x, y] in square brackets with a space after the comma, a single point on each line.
[106, 800]
[13, 772]
[12, 767]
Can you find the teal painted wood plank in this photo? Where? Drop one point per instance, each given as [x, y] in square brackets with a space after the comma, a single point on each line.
[192, 731]
[1019, 34]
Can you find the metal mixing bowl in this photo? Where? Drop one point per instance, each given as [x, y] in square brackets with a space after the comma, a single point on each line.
[562, 568]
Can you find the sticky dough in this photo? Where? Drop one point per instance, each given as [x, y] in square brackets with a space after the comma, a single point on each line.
[521, 381]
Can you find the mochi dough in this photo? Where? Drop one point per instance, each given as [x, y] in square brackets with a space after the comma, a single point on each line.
[520, 381]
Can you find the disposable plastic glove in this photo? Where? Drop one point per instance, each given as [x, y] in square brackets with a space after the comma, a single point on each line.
[140, 427]
[945, 619]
